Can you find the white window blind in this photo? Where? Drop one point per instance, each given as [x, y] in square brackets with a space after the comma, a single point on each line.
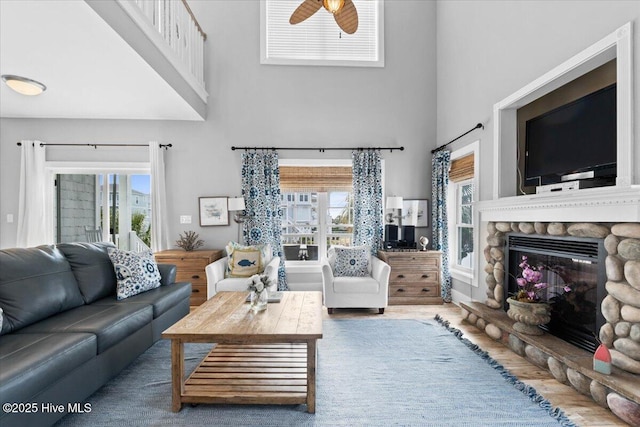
[319, 40]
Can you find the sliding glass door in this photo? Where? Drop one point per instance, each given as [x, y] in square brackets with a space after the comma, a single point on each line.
[105, 206]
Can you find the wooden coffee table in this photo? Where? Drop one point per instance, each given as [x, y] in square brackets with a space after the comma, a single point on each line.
[267, 357]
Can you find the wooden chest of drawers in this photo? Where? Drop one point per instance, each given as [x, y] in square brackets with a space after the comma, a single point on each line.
[191, 267]
[415, 277]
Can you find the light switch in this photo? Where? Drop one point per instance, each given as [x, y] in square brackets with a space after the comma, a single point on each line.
[9, 218]
[185, 219]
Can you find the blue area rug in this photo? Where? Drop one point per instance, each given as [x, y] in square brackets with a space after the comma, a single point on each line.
[371, 372]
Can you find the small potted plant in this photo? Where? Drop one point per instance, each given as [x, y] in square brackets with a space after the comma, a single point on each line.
[189, 242]
[528, 307]
[259, 285]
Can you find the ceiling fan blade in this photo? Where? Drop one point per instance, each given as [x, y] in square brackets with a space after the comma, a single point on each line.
[305, 10]
[347, 18]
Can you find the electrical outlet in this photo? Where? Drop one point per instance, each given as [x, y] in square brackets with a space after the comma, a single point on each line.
[185, 219]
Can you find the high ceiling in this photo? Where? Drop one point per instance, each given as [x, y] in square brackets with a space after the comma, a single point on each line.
[89, 70]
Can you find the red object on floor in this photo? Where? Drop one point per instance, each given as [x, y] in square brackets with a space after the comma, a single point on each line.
[602, 360]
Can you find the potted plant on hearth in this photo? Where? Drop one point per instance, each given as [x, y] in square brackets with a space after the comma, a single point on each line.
[528, 307]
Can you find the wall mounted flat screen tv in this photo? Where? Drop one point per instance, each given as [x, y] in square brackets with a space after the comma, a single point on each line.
[576, 137]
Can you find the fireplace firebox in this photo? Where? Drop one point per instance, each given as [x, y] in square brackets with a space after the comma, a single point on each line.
[576, 262]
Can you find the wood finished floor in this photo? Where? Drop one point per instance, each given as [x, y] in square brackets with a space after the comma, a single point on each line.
[582, 410]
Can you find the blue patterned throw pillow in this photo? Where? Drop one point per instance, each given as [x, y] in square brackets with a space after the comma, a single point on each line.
[351, 262]
[135, 272]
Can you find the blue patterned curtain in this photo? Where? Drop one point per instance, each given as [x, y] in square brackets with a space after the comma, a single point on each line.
[367, 199]
[261, 192]
[441, 164]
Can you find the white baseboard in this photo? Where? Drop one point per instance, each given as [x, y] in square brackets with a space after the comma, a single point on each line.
[457, 297]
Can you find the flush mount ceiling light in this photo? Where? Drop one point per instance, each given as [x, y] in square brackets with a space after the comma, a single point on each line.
[23, 85]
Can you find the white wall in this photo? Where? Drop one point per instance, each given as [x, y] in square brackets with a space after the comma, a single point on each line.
[253, 104]
[489, 49]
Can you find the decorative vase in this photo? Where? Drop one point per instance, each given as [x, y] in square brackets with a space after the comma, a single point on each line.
[528, 316]
[259, 300]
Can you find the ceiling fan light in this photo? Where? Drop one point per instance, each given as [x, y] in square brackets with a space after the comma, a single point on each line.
[23, 85]
[333, 6]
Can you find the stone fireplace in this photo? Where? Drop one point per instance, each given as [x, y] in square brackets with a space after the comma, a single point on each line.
[617, 309]
[621, 305]
[574, 270]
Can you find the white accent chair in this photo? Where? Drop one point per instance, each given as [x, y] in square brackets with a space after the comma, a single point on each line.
[216, 282]
[357, 292]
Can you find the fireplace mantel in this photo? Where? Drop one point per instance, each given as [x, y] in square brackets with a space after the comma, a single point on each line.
[605, 204]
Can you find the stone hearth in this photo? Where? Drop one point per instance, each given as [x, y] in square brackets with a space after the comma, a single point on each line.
[620, 391]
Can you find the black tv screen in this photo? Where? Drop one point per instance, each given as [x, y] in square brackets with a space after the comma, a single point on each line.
[576, 137]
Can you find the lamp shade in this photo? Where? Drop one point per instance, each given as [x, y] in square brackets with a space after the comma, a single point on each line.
[333, 6]
[394, 202]
[236, 204]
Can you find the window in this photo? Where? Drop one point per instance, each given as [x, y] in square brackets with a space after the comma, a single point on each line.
[464, 223]
[462, 219]
[310, 228]
[81, 201]
[319, 40]
[317, 206]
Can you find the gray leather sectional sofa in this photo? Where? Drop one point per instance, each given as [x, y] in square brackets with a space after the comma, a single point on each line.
[64, 334]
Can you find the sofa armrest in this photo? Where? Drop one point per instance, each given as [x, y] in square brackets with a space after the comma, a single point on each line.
[271, 270]
[380, 271]
[215, 273]
[327, 277]
[167, 274]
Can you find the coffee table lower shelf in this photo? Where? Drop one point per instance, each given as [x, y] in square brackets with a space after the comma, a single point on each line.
[250, 374]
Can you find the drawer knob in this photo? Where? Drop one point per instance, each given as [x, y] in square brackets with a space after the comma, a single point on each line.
[400, 290]
[195, 276]
[195, 290]
[426, 290]
[400, 276]
[424, 276]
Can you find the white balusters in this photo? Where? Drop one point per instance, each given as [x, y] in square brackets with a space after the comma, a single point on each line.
[176, 24]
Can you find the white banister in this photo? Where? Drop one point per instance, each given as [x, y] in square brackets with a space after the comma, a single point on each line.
[136, 244]
[175, 22]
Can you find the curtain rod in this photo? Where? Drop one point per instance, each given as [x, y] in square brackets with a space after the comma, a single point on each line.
[478, 126]
[320, 149]
[42, 144]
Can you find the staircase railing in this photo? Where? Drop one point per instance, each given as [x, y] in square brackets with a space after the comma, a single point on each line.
[136, 244]
[175, 22]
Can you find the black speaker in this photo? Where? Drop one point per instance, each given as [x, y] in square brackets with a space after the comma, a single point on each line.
[409, 233]
[391, 233]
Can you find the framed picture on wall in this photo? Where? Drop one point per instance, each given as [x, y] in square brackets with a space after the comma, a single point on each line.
[213, 211]
[415, 212]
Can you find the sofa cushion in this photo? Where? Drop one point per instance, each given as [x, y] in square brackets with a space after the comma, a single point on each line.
[168, 273]
[352, 262]
[266, 255]
[92, 268]
[245, 263]
[161, 299]
[110, 323]
[35, 283]
[355, 285]
[135, 272]
[32, 362]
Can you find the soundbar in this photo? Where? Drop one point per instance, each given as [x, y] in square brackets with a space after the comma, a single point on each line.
[576, 185]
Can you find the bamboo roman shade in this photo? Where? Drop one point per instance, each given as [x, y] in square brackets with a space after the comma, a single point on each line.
[461, 169]
[316, 178]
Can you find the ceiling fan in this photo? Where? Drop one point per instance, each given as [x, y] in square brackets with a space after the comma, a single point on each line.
[343, 11]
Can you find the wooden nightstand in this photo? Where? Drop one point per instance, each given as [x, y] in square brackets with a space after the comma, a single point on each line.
[415, 277]
[191, 267]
